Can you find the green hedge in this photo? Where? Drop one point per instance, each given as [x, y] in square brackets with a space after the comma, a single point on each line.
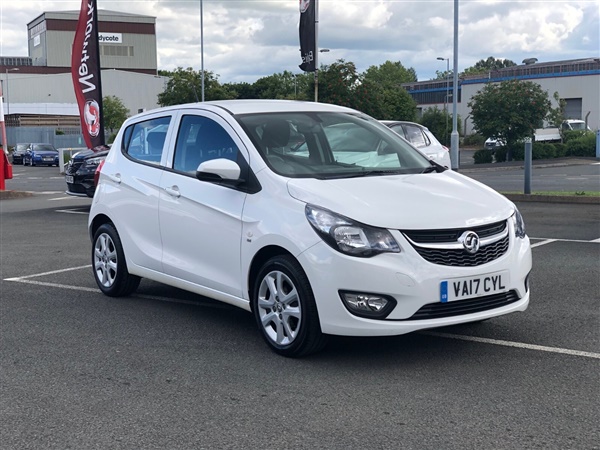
[584, 145]
[483, 157]
[474, 140]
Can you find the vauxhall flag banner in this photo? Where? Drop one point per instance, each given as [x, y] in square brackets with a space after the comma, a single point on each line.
[85, 71]
[308, 38]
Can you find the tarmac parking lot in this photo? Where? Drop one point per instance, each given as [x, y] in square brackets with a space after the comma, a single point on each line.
[168, 369]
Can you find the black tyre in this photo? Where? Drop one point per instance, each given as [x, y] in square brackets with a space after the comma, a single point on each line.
[109, 265]
[284, 308]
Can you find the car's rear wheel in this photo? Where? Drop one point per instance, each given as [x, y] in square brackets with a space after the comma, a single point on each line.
[285, 309]
[109, 265]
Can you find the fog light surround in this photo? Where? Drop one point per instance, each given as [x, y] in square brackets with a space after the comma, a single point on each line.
[368, 305]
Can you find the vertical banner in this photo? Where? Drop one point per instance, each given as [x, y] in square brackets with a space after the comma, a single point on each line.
[308, 38]
[85, 71]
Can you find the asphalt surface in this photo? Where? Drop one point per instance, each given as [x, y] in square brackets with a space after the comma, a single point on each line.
[165, 369]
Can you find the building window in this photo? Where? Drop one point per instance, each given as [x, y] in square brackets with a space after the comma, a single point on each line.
[116, 50]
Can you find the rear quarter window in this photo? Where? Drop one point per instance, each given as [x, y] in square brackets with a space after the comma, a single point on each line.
[145, 141]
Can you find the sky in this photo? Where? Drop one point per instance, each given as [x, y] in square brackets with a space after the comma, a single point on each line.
[245, 40]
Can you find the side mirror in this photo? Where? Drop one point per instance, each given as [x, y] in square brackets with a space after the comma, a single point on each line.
[220, 169]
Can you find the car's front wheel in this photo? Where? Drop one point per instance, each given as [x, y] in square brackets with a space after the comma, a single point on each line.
[285, 309]
[109, 265]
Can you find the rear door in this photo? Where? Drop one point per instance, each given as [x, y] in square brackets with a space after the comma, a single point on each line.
[132, 188]
[200, 221]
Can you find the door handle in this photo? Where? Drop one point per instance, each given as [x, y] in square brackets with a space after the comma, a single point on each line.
[116, 178]
[173, 191]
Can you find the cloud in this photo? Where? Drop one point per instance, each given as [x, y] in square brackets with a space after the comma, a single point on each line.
[244, 40]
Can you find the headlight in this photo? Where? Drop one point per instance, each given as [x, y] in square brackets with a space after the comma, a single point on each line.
[92, 162]
[348, 236]
[518, 224]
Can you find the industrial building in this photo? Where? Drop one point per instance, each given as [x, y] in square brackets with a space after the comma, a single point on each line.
[38, 88]
[576, 81]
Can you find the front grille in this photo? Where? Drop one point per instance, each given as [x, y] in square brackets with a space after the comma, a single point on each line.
[461, 258]
[443, 248]
[73, 167]
[452, 235]
[440, 310]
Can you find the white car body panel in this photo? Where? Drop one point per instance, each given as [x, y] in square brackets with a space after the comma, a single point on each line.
[204, 237]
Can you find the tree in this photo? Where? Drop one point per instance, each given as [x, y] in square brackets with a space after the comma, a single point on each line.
[185, 86]
[487, 65]
[439, 123]
[509, 111]
[385, 84]
[557, 115]
[114, 113]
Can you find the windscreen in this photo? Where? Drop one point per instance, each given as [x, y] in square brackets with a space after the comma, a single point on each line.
[330, 145]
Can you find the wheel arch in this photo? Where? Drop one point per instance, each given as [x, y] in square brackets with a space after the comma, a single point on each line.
[259, 259]
[97, 222]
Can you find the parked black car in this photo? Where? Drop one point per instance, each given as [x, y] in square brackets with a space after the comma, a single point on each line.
[80, 172]
[17, 154]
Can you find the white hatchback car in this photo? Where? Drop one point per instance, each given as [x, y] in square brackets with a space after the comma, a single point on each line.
[317, 218]
[420, 136]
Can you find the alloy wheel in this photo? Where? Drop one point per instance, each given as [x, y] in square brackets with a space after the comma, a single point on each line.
[105, 260]
[279, 308]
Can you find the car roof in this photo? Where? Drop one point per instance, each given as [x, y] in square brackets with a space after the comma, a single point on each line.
[400, 122]
[236, 107]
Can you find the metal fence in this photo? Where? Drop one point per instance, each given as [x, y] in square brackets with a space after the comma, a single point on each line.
[71, 137]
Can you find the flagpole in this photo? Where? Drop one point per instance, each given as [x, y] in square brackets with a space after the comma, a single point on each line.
[316, 51]
[102, 135]
[202, 47]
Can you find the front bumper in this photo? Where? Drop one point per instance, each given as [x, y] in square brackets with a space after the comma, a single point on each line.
[81, 187]
[413, 283]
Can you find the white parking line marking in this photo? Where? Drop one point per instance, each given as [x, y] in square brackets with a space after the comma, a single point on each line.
[67, 197]
[595, 241]
[541, 348]
[208, 304]
[547, 241]
[57, 285]
[71, 211]
[47, 273]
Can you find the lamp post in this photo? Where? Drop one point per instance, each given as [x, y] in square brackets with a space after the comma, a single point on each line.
[447, 77]
[323, 50]
[14, 69]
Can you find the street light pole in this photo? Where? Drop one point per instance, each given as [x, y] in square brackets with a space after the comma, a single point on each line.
[447, 76]
[323, 50]
[454, 151]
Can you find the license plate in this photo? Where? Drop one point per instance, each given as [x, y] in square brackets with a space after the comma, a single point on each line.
[471, 287]
[48, 159]
[69, 179]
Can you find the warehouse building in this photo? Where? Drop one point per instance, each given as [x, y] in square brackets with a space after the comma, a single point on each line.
[38, 89]
[576, 81]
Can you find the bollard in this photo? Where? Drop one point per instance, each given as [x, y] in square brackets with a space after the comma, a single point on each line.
[528, 164]
[597, 144]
